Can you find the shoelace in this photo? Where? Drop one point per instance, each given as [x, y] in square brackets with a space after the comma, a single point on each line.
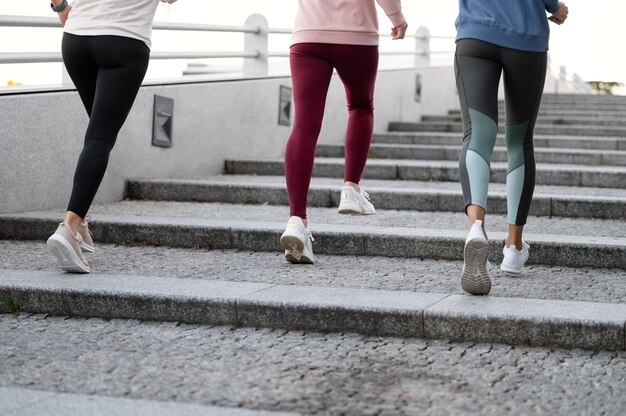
[310, 235]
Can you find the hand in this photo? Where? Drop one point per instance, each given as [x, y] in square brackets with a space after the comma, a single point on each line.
[64, 14]
[560, 16]
[399, 32]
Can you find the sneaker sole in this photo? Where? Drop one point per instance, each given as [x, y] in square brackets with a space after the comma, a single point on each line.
[304, 259]
[353, 210]
[291, 257]
[291, 243]
[475, 277]
[66, 256]
[510, 270]
[293, 248]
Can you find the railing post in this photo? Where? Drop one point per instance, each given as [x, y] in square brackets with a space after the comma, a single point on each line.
[66, 81]
[422, 47]
[256, 42]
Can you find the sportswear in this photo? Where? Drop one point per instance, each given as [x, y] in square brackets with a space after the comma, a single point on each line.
[514, 24]
[345, 22]
[131, 19]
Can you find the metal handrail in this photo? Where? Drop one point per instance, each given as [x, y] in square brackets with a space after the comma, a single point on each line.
[32, 21]
[53, 57]
[52, 22]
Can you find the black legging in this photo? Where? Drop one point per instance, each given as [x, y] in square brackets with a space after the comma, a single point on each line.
[107, 72]
[478, 66]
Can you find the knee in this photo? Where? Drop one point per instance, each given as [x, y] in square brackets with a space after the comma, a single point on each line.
[361, 106]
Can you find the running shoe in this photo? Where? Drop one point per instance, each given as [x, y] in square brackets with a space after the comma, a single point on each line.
[515, 259]
[355, 203]
[475, 276]
[66, 247]
[87, 242]
[297, 242]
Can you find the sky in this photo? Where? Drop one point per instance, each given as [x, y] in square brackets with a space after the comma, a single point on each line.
[587, 44]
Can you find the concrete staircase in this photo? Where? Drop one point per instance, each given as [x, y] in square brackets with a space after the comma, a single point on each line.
[393, 274]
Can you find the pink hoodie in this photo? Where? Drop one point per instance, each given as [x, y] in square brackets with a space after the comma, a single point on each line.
[346, 22]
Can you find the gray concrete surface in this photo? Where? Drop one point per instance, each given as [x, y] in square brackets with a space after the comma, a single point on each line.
[438, 152]
[379, 273]
[406, 185]
[540, 141]
[373, 312]
[29, 402]
[206, 131]
[217, 226]
[545, 119]
[304, 372]
[389, 195]
[441, 170]
[572, 130]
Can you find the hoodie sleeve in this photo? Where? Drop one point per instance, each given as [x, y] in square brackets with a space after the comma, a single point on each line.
[552, 6]
[393, 10]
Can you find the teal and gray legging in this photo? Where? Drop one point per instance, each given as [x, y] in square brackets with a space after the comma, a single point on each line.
[478, 66]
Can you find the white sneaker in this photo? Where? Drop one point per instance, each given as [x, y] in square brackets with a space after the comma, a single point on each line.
[297, 242]
[86, 242]
[514, 259]
[355, 203]
[475, 276]
[66, 247]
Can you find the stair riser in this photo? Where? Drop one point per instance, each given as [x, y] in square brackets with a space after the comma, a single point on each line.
[497, 156]
[575, 254]
[440, 174]
[369, 312]
[588, 121]
[454, 140]
[540, 129]
[410, 201]
[563, 113]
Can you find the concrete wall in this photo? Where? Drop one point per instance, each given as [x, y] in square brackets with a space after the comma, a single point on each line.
[41, 135]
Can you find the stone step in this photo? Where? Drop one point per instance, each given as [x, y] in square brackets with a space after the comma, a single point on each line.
[454, 139]
[547, 174]
[555, 120]
[515, 321]
[573, 130]
[21, 401]
[585, 97]
[306, 372]
[442, 152]
[388, 195]
[604, 97]
[578, 106]
[564, 112]
[357, 272]
[595, 243]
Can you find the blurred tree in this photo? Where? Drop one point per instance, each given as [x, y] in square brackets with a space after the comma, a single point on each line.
[605, 87]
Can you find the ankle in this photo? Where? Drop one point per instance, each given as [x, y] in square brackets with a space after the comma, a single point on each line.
[73, 221]
[352, 184]
[517, 244]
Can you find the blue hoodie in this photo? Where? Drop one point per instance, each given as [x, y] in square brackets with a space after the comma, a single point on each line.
[515, 24]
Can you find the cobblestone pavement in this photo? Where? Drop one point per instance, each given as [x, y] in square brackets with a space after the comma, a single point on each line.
[311, 373]
[537, 281]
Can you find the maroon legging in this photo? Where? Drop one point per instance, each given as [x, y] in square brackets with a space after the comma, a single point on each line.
[311, 70]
